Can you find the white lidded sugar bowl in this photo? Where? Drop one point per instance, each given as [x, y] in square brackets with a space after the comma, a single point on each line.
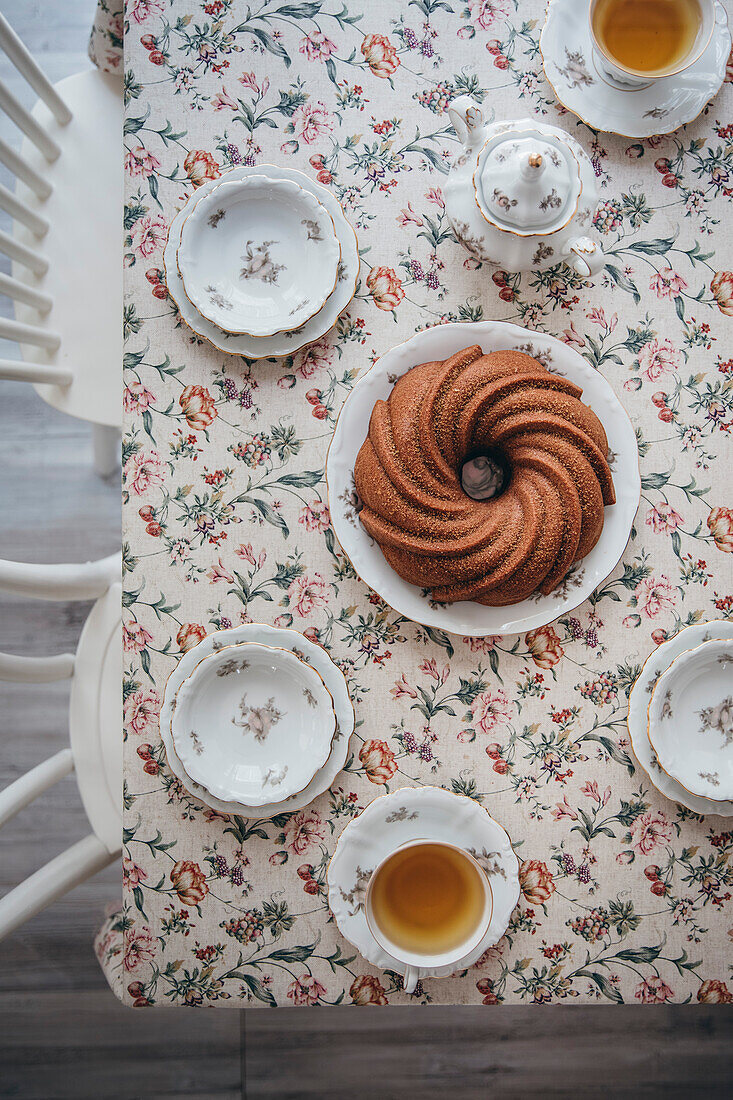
[522, 194]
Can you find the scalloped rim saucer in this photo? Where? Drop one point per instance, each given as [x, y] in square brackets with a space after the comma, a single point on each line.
[286, 343]
[466, 617]
[308, 651]
[690, 720]
[424, 813]
[657, 663]
[258, 256]
[581, 86]
[253, 721]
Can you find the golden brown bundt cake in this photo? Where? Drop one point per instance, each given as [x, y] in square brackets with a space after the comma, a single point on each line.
[550, 512]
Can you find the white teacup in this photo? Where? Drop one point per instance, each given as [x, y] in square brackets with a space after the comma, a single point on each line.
[417, 964]
[634, 79]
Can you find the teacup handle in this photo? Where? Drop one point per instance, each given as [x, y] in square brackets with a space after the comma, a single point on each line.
[467, 118]
[411, 978]
[586, 256]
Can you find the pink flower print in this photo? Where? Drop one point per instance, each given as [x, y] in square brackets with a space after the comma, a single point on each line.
[401, 687]
[572, 336]
[407, 215]
[144, 471]
[223, 101]
[657, 358]
[490, 709]
[564, 809]
[136, 398]
[485, 12]
[141, 711]
[483, 645]
[653, 991]
[311, 121]
[650, 831]
[316, 357]
[590, 790]
[303, 830]
[307, 594]
[315, 516]
[430, 668]
[663, 518]
[655, 595]
[316, 46]
[667, 283]
[139, 162]
[219, 573]
[597, 316]
[135, 638]
[148, 234]
[306, 990]
[140, 945]
[138, 11]
[435, 195]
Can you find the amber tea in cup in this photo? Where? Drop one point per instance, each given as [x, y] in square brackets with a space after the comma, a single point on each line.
[650, 37]
[428, 898]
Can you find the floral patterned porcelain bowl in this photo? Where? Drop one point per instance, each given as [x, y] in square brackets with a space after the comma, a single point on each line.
[690, 723]
[310, 652]
[419, 813]
[253, 723]
[656, 664]
[258, 256]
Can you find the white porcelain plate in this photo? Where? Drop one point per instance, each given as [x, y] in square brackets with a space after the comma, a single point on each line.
[690, 716]
[253, 723]
[258, 255]
[309, 652]
[282, 343]
[468, 617]
[641, 693]
[412, 813]
[583, 87]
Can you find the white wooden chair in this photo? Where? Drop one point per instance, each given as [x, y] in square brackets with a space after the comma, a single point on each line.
[95, 727]
[66, 245]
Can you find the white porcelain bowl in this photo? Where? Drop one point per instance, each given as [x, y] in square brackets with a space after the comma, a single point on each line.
[253, 723]
[258, 256]
[690, 723]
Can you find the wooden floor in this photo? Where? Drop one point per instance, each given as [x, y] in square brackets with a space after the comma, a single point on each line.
[62, 1034]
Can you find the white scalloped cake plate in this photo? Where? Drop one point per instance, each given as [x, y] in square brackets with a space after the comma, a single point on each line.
[282, 343]
[466, 617]
[641, 693]
[566, 48]
[308, 651]
[419, 813]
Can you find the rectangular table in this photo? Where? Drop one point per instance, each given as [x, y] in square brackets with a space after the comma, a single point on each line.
[625, 896]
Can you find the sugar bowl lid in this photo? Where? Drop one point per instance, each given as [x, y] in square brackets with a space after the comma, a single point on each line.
[527, 182]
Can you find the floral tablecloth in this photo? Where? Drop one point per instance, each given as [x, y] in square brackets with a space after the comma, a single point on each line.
[626, 897]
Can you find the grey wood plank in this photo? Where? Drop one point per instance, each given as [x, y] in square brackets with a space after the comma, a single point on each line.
[511, 1051]
[57, 1047]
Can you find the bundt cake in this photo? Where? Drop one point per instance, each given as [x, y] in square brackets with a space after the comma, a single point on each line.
[550, 511]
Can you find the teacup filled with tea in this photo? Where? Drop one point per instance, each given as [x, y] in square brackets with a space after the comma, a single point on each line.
[638, 41]
[428, 904]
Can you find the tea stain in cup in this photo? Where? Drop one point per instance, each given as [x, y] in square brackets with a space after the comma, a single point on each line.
[647, 36]
[428, 899]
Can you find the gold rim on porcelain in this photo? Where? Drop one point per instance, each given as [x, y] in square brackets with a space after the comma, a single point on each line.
[243, 332]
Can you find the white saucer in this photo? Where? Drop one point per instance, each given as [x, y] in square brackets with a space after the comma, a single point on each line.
[286, 343]
[467, 617]
[582, 87]
[258, 255]
[412, 813]
[690, 720]
[308, 651]
[641, 694]
[253, 723]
